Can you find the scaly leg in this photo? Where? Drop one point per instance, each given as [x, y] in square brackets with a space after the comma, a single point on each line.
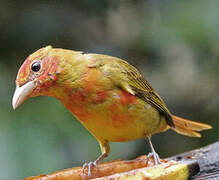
[153, 152]
[105, 149]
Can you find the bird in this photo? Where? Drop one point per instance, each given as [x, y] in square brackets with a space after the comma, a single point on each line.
[109, 97]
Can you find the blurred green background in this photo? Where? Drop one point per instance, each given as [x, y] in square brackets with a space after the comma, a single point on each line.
[175, 44]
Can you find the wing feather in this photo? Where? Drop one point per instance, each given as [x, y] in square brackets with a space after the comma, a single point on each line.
[129, 78]
[144, 90]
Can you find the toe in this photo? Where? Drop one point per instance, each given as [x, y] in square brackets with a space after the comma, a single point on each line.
[155, 157]
[84, 166]
[89, 166]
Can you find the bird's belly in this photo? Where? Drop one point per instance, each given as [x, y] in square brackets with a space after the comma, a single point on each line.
[117, 122]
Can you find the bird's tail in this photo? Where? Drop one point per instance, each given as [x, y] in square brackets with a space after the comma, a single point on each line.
[187, 127]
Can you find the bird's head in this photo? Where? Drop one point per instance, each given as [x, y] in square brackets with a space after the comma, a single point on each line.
[36, 75]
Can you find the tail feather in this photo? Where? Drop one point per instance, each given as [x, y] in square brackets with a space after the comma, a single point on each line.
[187, 127]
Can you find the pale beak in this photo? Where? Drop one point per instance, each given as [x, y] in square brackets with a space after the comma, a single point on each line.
[21, 93]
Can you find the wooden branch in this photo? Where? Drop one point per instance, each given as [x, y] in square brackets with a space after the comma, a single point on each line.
[143, 168]
[207, 158]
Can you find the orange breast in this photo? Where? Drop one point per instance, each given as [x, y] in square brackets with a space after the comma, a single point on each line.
[111, 113]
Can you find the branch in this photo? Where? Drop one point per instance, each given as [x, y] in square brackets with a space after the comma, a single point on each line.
[143, 168]
[207, 158]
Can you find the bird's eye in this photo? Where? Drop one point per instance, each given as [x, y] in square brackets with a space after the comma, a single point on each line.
[36, 66]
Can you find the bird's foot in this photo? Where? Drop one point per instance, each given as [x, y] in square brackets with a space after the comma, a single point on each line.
[89, 166]
[92, 164]
[155, 156]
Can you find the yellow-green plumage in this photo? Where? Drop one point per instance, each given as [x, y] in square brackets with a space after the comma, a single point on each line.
[106, 94]
[112, 76]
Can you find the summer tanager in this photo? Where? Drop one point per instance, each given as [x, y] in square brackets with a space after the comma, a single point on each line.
[106, 94]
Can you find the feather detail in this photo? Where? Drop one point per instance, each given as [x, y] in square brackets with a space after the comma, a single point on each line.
[187, 127]
[127, 88]
[133, 82]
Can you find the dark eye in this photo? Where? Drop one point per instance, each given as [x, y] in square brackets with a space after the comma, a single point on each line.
[36, 66]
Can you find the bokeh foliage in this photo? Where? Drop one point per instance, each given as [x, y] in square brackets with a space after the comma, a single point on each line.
[175, 44]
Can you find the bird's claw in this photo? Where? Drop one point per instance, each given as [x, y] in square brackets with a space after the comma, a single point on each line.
[155, 157]
[89, 166]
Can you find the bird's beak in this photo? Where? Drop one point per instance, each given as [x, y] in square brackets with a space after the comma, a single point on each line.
[21, 93]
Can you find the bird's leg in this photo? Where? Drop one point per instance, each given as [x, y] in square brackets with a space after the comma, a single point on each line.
[153, 152]
[105, 149]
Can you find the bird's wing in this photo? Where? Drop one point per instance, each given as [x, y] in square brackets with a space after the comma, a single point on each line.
[128, 77]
